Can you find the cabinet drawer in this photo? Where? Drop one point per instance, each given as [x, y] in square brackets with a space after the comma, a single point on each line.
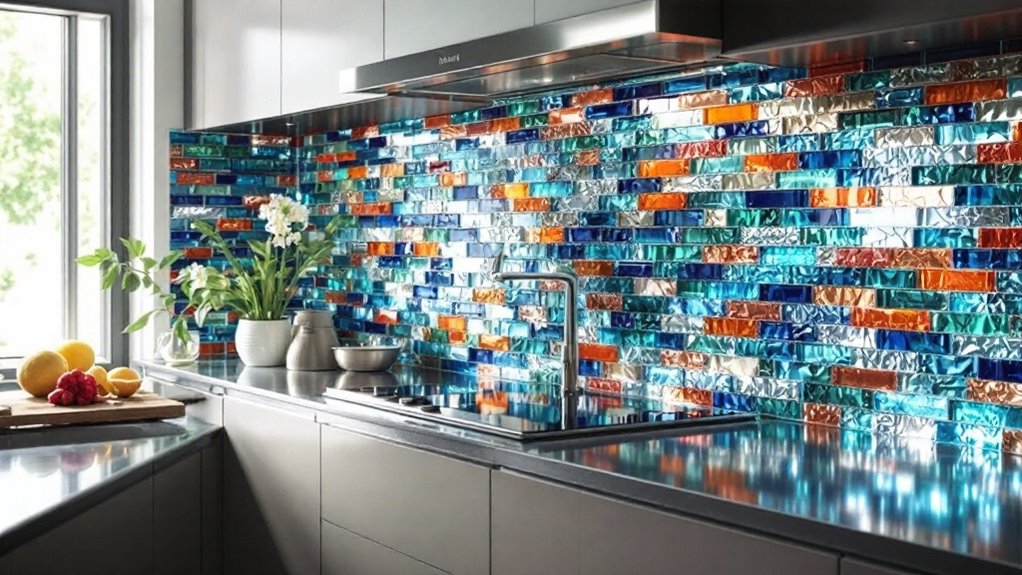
[345, 553]
[851, 566]
[430, 507]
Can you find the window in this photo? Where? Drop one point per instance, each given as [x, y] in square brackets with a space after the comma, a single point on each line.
[56, 194]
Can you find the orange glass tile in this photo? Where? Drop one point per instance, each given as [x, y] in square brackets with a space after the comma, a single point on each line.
[438, 167]
[365, 132]
[814, 86]
[195, 179]
[326, 158]
[846, 296]
[1000, 237]
[866, 378]
[233, 225]
[842, 197]
[394, 170]
[334, 297]
[1016, 131]
[426, 249]
[531, 205]
[661, 168]
[551, 235]
[457, 336]
[371, 209]
[177, 151]
[593, 97]
[480, 128]
[839, 68]
[662, 201]
[289, 180]
[387, 316]
[450, 179]
[683, 359]
[453, 132]
[1012, 442]
[346, 157]
[598, 352]
[231, 348]
[862, 257]
[488, 295]
[957, 280]
[253, 202]
[731, 327]
[505, 124]
[593, 268]
[672, 464]
[184, 163]
[906, 319]
[492, 402]
[211, 348]
[771, 162]
[496, 342]
[1000, 392]
[566, 116]
[754, 310]
[603, 384]
[380, 248]
[434, 122]
[822, 414]
[587, 157]
[452, 322]
[607, 301]
[501, 191]
[698, 396]
[730, 254]
[966, 91]
[920, 258]
[1000, 153]
[356, 260]
[324, 175]
[702, 99]
[565, 131]
[705, 149]
[731, 113]
[198, 253]
[358, 172]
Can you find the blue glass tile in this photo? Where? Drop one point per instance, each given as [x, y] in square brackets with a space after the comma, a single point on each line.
[913, 341]
[742, 129]
[688, 84]
[799, 143]
[777, 199]
[608, 110]
[638, 91]
[617, 234]
[786, 293]
[768, 74]
[633, 269]
[643, 185]
[521, 136]
[943, 114]
[835, 159]
[970, 435]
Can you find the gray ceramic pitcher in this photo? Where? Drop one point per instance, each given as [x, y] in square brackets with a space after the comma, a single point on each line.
[313, 338]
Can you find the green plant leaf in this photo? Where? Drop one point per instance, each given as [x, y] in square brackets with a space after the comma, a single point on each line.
[181, 328]
[148, 263]
[135, 247]
[110, 276]
[200, 314]
[91, 260]
[130, 282]
[139, 323]
[170, 258]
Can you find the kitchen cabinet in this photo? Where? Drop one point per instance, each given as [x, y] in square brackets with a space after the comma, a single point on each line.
[235, 61]
[550, 10]
[319, 38]
[177, 517]
[271, 489]
[412, 26]
[584, 533]
[345, 553]
[432, 508]
[850, 566]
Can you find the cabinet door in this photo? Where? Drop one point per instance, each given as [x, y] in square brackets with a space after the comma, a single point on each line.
[177, 510]
[412, 26]
[345, 553]
[534, 526]
[433, 508]
[851, 566]
[271, 489]
[619, 537]
[550, 10]
[115, 536]
[236, 45]
[319, 38]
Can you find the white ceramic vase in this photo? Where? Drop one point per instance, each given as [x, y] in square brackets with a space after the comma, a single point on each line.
[263, 343]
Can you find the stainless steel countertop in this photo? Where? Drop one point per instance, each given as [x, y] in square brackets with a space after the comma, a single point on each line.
[940, 509]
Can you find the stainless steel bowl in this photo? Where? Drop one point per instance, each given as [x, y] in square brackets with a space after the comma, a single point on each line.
[355, 356]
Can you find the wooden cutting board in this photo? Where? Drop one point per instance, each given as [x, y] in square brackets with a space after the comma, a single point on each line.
[28, 410]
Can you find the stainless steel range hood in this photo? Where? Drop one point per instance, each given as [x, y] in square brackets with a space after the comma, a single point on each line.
[633, 39]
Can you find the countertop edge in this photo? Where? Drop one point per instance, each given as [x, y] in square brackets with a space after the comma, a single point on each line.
[896, 553]
[38, 524]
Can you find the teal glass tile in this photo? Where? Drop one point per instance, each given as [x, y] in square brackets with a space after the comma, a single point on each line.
[729, 165]
[780, 408]
[787, 255]
[868, 81]
[837, 395]
[807, 179]
[913, 405]
[912, 299]
[716, 200]
[869, 119]
[976, 133]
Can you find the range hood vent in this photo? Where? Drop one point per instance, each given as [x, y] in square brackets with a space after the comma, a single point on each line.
[629, 40]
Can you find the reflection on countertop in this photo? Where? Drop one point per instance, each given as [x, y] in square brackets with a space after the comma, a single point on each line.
[849, 485]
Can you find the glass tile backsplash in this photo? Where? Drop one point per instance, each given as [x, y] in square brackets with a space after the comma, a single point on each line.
[841, 246]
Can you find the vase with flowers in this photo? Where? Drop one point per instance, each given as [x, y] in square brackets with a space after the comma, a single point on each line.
[258, 288]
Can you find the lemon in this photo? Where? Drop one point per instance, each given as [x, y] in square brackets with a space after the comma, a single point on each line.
[124, 380]
[105, 387]
[79, 355]
[38, 374]
[123, 373]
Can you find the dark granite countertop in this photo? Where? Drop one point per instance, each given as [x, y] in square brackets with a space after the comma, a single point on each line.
[906, 503]
[49, 475]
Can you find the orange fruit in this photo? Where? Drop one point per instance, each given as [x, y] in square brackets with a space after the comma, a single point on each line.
[105, 387]
[79, 355]
[124, 380]
[38, 374]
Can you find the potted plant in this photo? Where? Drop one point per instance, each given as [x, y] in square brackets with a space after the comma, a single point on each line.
[257, 289]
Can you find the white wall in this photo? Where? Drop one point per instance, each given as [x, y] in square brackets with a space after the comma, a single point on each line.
[157, 106]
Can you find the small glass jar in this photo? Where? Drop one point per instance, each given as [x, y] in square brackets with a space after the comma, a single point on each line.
[173, 351]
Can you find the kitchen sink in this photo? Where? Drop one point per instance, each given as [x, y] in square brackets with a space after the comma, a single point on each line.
[519, 410]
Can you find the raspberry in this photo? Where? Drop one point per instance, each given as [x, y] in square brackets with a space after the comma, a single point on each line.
[75, 387]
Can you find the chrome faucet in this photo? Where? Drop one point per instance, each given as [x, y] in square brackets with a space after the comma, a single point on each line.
[569, 371]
